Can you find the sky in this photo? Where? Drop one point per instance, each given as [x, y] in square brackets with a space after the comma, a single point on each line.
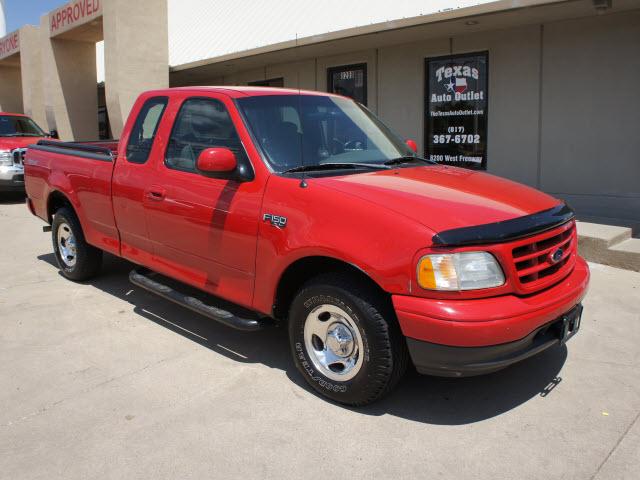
[22, 12]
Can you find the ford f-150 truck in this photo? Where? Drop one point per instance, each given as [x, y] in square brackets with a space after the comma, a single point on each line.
[286, 206]
[17, 131]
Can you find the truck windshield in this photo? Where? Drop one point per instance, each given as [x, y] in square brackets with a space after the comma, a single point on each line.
[14, 126]
[306, 130]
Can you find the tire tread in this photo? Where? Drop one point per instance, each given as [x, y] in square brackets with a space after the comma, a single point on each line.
[393, 357]
[89, 258]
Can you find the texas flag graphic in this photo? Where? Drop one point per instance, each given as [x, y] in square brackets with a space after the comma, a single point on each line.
[461, 85]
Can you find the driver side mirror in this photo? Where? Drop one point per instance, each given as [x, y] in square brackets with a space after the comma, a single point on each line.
[217, 162]
[412, 145]
[54, 134]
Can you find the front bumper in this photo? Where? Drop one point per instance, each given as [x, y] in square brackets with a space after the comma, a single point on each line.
[445, 361]
[471, 337]
[11, 178]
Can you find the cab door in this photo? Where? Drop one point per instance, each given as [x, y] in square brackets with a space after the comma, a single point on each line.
[132, 176]
[204, 230]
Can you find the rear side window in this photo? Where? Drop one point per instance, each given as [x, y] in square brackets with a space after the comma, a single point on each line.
[201, 123]
[144, 130]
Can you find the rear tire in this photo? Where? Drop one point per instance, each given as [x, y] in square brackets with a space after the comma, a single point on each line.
[77, 259]
[345, 340]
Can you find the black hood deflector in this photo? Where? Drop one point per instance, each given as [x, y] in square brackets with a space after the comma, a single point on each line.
[506, 230]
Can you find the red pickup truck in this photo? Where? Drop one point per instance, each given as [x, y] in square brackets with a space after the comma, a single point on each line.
[17, 131]
[302, 207]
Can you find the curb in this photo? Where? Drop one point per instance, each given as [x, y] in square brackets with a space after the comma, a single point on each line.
[609, 245]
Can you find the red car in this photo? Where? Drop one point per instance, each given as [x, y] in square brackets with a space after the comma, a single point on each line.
[17, 131]
[303, 208]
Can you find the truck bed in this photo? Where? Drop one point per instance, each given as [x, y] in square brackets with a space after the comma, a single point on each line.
[84, 168]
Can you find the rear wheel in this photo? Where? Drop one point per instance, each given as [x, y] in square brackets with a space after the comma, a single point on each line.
[76, 258]
[345, 340]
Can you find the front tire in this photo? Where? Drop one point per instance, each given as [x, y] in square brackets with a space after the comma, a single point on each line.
[345, 340]
[77, 259]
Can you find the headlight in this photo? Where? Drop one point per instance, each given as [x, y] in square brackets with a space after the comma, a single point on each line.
[459, 271]
[6, 158]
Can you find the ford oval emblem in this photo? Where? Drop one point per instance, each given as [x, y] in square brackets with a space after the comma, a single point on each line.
[556, 256]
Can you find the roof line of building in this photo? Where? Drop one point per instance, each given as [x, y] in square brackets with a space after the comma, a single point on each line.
[444, 15]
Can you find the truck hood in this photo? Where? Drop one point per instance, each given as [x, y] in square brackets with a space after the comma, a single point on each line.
[442, 197]
[10, 143]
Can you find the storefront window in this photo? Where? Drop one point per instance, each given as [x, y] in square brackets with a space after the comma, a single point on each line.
[104, 127]
[350, 81]
[272, 82]
[456, 110]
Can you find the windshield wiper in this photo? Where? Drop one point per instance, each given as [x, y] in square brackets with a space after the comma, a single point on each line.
[335, 166]
[407, 159]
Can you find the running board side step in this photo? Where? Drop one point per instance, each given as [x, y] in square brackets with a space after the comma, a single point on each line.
[141, 278]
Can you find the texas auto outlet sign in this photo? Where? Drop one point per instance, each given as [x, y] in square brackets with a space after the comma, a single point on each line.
[73, 14]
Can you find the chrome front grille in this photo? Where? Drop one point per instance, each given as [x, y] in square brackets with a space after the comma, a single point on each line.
[18, 156]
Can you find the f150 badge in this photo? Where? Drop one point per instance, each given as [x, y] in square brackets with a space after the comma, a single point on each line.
[275, 220]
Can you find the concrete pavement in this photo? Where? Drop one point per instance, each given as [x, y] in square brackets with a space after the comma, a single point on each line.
[102, 380]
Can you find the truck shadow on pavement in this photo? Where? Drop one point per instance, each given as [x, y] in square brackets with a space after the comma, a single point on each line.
[432, 400]
[12, 198]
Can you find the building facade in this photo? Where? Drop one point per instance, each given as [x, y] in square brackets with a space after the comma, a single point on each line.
[541, 92]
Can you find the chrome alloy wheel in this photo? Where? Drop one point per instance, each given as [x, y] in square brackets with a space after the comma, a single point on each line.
[67, 245]
[333, 342]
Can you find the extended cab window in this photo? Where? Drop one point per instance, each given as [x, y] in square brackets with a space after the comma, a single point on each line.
[144, 130]
[201, 123]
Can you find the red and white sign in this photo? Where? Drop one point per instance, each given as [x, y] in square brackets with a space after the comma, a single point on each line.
[73, 14]
[10, 44]
[461, 85]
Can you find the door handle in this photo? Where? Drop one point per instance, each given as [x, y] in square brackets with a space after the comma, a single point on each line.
[155, 194]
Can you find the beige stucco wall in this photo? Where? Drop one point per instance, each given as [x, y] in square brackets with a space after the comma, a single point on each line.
[10, 75]
[59, 66]
[591, 114]
[32, 80]
[242, 78]
[299, 74]
[69, 85]
[136, 54]
[10, 90]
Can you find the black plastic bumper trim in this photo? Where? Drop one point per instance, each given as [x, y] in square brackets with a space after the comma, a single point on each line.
[506, 230]
[448, 361]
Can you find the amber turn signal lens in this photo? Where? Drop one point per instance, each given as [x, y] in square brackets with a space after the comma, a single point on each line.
[426, 276]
